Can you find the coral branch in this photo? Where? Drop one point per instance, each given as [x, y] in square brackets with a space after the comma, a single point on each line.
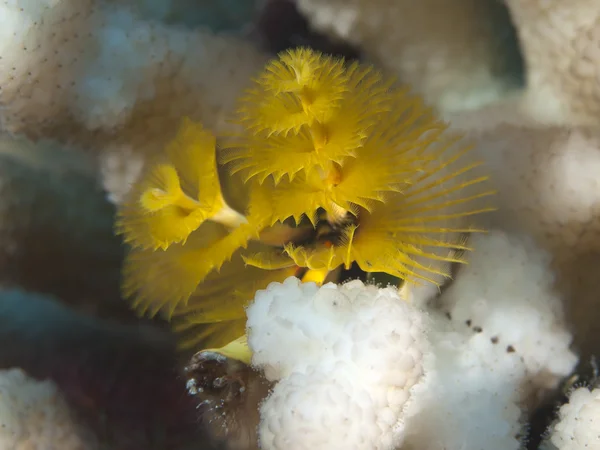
[99, 75]
[458, 54]
[560, 46]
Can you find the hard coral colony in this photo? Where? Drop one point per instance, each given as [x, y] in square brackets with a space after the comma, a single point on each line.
[334, 166]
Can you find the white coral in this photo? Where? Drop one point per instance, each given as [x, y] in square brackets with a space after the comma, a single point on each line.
[33, 414]
[578, 427]
[494, 345]
[559, 41]
[99, 75]
[468, 402]
[504, 301]
[91, 62]
[548, 188]
[546, 179]
[346, 359]
[449, 51]
[500, 345]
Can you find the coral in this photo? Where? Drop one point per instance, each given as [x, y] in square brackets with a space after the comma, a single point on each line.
[500, 346]
[98, 70]
[505, 295]
[546, 178]
[110, 82]
[577, 425]
[540, 148]
[560, 48]
[116, 84]
[33, 414]
[458, 54]
[494, 345]
[557, 167]
[280, 26]
[338, 385]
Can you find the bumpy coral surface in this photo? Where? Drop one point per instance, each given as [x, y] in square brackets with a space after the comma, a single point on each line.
[557, 167]
[111, 63]
[578, 425]
[431, 44]
[547, 183]
[118, 84]
[33, 414]
[560, 46]
[500, 346]
[493, 345]
[505, 302]
[345, 359]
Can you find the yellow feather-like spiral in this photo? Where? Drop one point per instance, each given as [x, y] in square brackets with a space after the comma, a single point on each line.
[383, 180]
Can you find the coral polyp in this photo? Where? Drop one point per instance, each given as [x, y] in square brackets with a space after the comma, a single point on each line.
[353, 168]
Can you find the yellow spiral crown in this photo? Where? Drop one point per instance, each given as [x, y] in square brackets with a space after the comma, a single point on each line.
[337, 166]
